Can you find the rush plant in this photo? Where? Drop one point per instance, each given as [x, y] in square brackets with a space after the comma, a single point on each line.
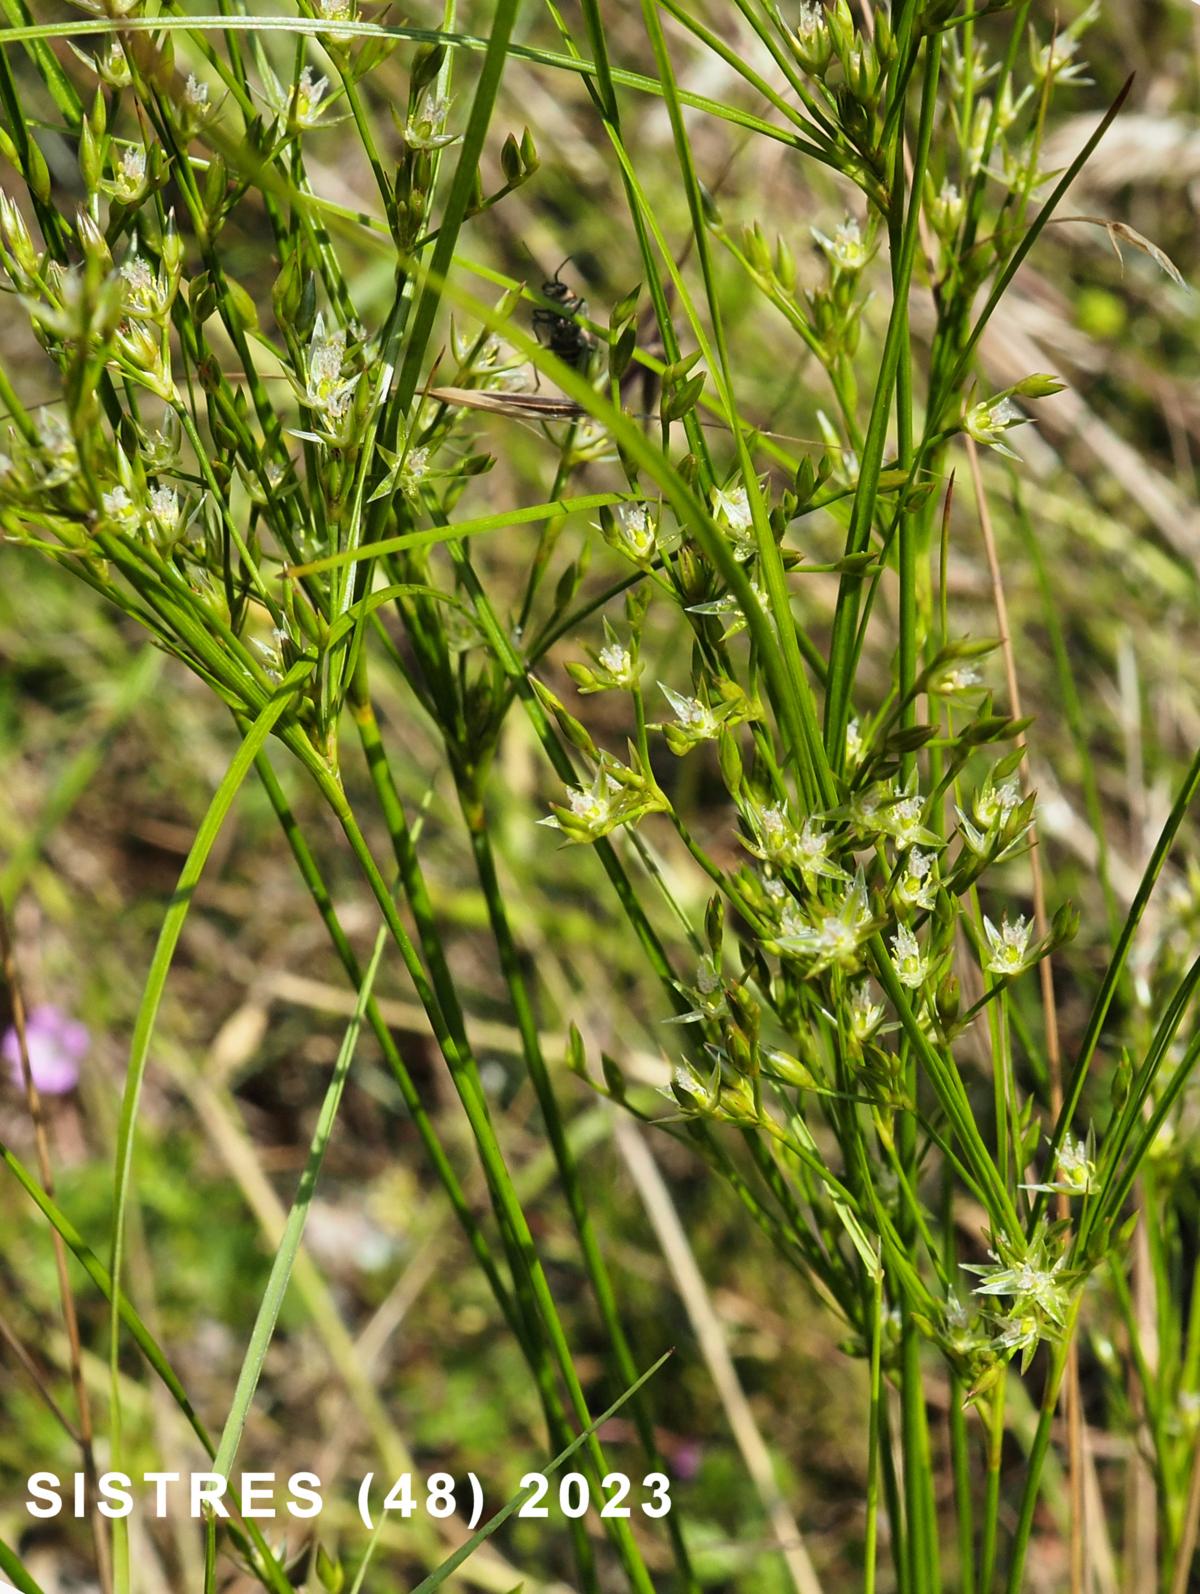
[854, 945]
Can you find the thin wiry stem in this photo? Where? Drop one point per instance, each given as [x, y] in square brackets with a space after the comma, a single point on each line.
[1073, 1402]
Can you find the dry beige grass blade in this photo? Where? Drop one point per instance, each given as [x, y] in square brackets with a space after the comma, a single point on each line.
[1120, 232]
[526, 406]
[694, 1293]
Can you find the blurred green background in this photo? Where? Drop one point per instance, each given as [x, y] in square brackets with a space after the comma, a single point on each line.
[109, 753]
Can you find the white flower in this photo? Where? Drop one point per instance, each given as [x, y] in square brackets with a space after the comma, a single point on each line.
[695, 718]
[855, 746]
[1029, 1283]
[590, 806]
[307, 97]
[636, 532]
[615, 658]
[129, 182]
[813, 42]
[899, 815]
[147, 292]
[616, 796]
[912, 968]
[1056, 60]
[946, 211]
[835, 934]
[846, 250]
[195, 93]
[866, 1015]
[997, 802]
[195, 97]
[989, 420]
[917, 887]
[325, 390]
[1075, 1167]
[1074, 1170]
[425, 128]
[996, 810]
[811, 20]
[618, 662]
[708, 994]
[731, 510]
[865, 811]
[731, 506]
[118, 505]
[903, 821]
[614, 666]
[113, 67]
[1009, 952]
[58, 448]
[962, 678]
[139, 279]
[413, 471]
[164, 508]
[1021, 1332]
[778, 841]
[776, 830]
[1036, 1284]
[810, 849]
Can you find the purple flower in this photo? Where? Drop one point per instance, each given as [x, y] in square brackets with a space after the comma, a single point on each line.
[57, 1045]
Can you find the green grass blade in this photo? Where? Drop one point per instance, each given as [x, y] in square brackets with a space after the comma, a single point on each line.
[152, 994]
[436, 1579]
[15, 1572]
[101, 1278]
[1000, 287]
[285, 1257]
[408, 542]
[142, 1338]
[1116, 966]
[349, 30]
[457, 201]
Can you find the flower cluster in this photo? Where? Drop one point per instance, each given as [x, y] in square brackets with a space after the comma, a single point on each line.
[834, 934]
[617, 795]
[1000, 819]
[1032, 1276]
[614, 666]
[326, 389]
[633, 532]
[698, 719]
[1074, 1169]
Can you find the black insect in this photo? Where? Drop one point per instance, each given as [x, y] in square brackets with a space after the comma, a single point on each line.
[557, 327]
